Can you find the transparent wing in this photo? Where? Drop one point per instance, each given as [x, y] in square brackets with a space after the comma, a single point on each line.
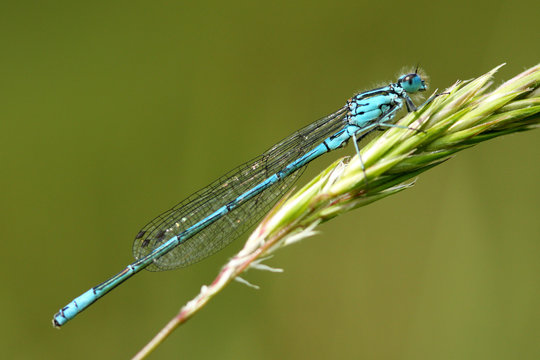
[224, 190]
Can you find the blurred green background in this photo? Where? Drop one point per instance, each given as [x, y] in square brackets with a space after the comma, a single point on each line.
[112, 112]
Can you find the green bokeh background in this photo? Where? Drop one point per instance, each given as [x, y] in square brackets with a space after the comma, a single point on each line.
[111, 112]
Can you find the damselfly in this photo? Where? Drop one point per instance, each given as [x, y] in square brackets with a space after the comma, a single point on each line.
[214, 216]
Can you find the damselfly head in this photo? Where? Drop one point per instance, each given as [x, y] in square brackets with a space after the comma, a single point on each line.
[412, 83]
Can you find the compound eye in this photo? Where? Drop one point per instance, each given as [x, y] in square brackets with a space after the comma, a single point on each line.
[412, 83]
